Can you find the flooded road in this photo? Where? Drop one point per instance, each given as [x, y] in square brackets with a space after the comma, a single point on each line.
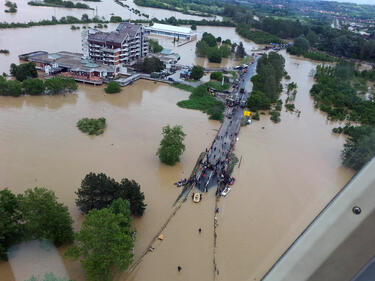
[105, 8]
[288, 172]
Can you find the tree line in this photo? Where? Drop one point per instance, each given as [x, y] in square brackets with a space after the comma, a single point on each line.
[208, 47]
[205, 7]
[35, 86]
[113, 19]
[215, 48]
[59, 3]
[266, 83]
[320, 35]
[26, 82]
[337, 94]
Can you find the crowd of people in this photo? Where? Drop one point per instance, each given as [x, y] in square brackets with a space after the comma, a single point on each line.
[214, 166]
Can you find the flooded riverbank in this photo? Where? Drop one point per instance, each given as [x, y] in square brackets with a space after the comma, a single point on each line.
[106, 9]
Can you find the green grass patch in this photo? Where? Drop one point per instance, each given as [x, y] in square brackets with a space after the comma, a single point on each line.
[318, 56]
[92, 126]
[246, 60]
[183, 87]
[259, 37]
[217, 85]
[233, 73]
[200, 99]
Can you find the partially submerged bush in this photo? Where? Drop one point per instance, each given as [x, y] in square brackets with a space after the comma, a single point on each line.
[92, 126]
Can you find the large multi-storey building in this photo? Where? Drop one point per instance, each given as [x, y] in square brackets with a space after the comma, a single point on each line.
[120, 47]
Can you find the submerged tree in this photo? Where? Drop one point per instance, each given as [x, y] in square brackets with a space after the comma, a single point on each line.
[113, 87]
[33, 86]
[171, 146]
[10, 227]
[44, 217]
[197, 72]
[359, 150]
[98, 191]
[240, 51]
[105, 242]
[23, 71]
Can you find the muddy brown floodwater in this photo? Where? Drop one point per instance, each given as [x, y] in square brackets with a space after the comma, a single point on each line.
[289, 171]
[41, 146]
[106, 9]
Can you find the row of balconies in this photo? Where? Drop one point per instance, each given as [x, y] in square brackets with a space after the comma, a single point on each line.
[111, 50]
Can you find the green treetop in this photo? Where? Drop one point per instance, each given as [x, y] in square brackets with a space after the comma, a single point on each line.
[171, 146]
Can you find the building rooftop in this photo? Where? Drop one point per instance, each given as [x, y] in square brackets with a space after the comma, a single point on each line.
[171, 28]
[123, 30]
[70, 60]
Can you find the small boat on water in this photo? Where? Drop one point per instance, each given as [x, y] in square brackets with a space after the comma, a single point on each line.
[226, 191]
[197, 197]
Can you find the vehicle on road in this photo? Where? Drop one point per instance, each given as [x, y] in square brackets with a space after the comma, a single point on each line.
[225, 191]
[197, 197]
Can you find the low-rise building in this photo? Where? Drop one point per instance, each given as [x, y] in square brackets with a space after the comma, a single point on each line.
[71, 65]
[171, 31]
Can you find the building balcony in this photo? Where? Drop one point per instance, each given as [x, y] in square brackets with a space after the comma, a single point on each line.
[112, 50]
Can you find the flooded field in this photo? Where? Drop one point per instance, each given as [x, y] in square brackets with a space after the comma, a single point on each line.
[288, 171]
[105, 8]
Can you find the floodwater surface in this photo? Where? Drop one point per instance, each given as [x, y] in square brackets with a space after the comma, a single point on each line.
[41, 146]
[288, 173]
[104, 8]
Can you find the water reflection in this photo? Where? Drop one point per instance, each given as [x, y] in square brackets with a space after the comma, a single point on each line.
[50, 102]
[35, 258]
